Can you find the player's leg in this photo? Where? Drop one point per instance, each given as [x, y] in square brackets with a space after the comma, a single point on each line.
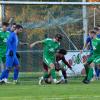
[16, 69]
[45, 75]
[87, 67]
[97, 62]
[5, 73]
[64, 74]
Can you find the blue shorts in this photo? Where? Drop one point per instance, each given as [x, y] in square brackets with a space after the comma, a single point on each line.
[11, 61]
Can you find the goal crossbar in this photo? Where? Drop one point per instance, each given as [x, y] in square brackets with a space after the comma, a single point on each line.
[49, 3]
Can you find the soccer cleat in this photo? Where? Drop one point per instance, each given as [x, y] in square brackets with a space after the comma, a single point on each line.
[84, 79]
[41, 80]
[86, 82]
[15, 81]
[2, 82]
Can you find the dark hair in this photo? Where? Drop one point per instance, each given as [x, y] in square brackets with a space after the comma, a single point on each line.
[62, 51]
[98, 25]
[13, 23]
[92, 32]
[59, 36]
[96, 29]
[5, 24]
[19, 26]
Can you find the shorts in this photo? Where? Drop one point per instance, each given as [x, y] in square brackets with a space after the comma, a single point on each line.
[91, 58]
[97, 60]
[11, 61]
[48, 62]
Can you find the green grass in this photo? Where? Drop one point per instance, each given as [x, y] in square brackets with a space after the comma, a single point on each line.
[30, 90]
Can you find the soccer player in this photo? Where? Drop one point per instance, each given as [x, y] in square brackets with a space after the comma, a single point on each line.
[11, 58]
[3, 39]
[49, 55]
[60, 57]
[12, 27]
[94, 59]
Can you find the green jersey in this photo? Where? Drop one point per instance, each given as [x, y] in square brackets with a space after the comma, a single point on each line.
[3, 40]
[96, 46]
[50, 48]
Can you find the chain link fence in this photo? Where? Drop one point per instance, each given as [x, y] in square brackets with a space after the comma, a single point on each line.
[42, 21]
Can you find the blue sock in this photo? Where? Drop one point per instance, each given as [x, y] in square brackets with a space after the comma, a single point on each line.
[4, 74]
[16, 72]
[7, 74]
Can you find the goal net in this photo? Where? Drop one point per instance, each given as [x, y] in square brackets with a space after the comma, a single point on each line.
[41, 20]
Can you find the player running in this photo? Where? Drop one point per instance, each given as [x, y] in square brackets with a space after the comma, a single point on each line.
[50, 46]
[94, 59]
[3, 39]
[11, 58]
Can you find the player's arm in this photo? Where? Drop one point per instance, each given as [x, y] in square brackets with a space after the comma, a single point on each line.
[37, 42]
[87, 43]
[23, 43]
[9, 44]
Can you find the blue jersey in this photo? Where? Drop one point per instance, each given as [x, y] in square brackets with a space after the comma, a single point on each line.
[12, 43]
[89, 40]
[98, 35]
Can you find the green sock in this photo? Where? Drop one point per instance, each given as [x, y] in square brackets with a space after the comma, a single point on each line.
[90, 74]
[86, 70]
[46, 75]
[53, 74]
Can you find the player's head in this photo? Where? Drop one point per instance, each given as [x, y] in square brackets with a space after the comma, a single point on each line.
[61, 52]
[4, 26]
[13, 27]
[19, 28]
[92, 34]
[96, 29]
[58, 37]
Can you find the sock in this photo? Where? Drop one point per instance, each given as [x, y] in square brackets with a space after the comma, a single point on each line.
[53, 74]
[90, 74]
[64, 74]
[86, 70]
[16, 73]
[46, 75]
[7, 74]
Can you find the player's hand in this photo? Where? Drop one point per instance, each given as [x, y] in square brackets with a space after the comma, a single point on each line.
[31, 45]
[11, 53]
[17, 54]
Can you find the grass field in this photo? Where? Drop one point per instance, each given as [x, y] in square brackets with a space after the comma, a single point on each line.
[30, 90]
